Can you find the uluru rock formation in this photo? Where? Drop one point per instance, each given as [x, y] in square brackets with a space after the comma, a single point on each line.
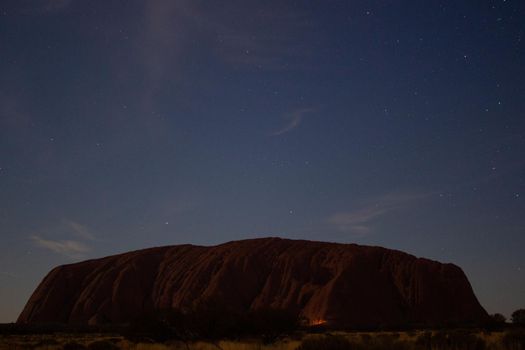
[341, 284]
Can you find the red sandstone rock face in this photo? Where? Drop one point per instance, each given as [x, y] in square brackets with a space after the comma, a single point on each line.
[343, 284]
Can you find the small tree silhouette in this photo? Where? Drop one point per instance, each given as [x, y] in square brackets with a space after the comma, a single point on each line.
[518, 317]
[498, 318]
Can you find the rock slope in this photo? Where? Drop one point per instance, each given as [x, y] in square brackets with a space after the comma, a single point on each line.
[340, 284]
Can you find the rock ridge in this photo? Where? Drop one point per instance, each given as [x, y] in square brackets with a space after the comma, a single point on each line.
[340, 284]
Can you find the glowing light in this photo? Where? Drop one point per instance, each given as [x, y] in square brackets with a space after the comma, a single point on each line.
[317, 322]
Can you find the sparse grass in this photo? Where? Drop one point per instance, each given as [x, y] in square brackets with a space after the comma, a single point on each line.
[411, 340]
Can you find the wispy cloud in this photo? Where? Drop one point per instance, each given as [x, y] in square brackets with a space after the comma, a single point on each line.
[294, 119]
[356, 221]
[78, 230]
[69, 248]
[176, 33]
[74, 242]
[162, 41]
[232, 32]
[360, 221]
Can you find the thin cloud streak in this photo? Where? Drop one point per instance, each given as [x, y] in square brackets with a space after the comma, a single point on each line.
[356, 221]
[79, 230]
[161, 44]
[69, 248]
[360, 221]
[295, 119]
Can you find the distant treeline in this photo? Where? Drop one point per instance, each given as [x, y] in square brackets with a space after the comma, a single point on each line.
[211, 322]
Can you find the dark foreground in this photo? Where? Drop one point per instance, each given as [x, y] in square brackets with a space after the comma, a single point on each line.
[453, 339]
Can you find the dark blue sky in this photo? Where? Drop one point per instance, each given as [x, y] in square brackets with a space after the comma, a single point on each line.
[130, 124]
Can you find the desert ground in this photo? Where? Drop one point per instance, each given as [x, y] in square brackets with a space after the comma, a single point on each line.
[411, 340]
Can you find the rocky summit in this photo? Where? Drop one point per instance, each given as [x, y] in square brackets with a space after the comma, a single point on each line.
[336, 284]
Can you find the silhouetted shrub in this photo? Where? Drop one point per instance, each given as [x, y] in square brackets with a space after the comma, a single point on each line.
[498, 318]
[518, 317]
[496, 322]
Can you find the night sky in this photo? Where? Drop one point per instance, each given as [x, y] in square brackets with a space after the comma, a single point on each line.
[131, 124]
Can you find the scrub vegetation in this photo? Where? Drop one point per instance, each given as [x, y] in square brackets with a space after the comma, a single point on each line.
[460, 339]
